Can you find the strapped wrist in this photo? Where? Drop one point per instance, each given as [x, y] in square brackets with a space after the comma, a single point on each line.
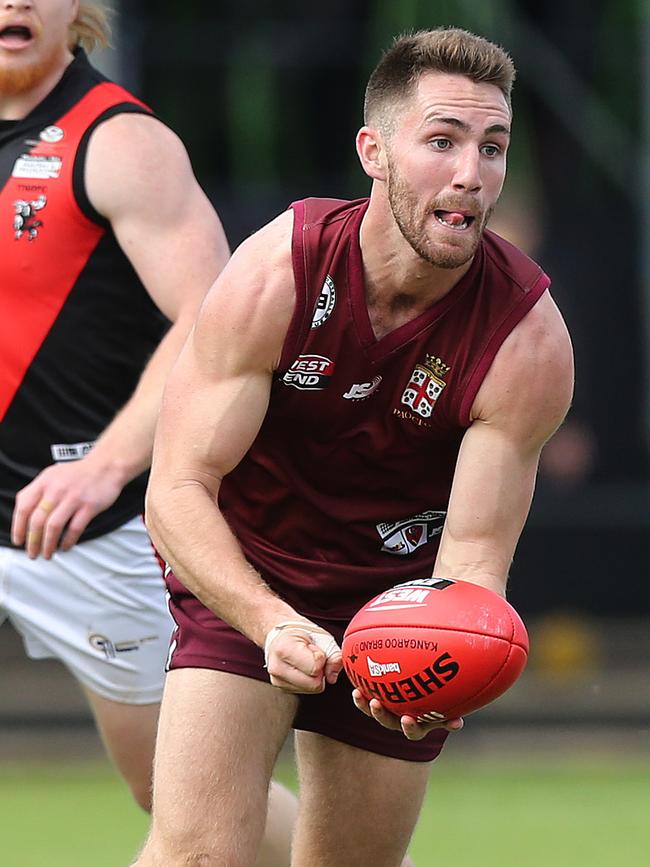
[316, 635]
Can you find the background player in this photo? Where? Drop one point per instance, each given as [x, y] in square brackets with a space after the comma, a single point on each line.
[364, 399]
[98, 292]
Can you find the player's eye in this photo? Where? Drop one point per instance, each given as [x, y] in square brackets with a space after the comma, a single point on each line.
[490, 150]
[441, 144]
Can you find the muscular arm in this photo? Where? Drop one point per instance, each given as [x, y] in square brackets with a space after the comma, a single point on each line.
[522, 401]
[214, 405]
[139, 177]
[172, 236]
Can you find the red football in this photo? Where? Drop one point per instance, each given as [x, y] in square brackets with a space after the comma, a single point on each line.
[435, 648]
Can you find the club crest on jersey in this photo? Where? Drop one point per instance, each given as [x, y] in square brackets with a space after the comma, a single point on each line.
[406, 536]
[52, 134]
[309, 373]
[425, 386]
[25, 220]
[325, 303]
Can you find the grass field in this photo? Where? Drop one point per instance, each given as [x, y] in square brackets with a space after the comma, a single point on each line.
[477, 814]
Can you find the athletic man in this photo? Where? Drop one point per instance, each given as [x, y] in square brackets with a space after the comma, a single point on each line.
[105, 238]
[363, 400]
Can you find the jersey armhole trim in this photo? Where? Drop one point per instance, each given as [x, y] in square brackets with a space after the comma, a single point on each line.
[79, 170]
[484, 363]
[299, 261]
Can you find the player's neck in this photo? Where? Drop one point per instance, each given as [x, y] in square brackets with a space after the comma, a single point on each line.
[16, 106]
[400, 285]
[390, 306]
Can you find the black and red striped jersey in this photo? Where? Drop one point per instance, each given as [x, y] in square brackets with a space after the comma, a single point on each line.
[76, 324]
[345, 490]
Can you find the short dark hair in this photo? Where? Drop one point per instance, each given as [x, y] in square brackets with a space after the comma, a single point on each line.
[444, 49]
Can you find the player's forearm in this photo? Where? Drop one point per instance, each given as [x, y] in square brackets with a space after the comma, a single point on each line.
[479, 547]
[475, 562]
[194, 538]
[125, 446]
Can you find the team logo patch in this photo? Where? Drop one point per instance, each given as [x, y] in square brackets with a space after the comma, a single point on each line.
[52, 134]
[325, 303]
[39, 168]
[309, 373]
[25, 220]
[406, 536]
[425, 386]
[362, 390]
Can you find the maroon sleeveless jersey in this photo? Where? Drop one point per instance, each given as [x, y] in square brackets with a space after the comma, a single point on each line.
[345, 489]
[76, 324]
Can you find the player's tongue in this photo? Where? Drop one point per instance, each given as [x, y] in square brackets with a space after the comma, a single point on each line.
[451, 218]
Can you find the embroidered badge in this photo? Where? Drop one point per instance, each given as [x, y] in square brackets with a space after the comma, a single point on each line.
[425, 386]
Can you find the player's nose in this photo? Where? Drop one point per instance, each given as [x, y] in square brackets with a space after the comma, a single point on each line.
[467, 171]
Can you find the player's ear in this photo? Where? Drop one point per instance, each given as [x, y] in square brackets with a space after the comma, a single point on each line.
[372, 152]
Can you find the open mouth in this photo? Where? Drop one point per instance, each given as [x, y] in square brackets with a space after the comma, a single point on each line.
[454, 219]
[15, 34]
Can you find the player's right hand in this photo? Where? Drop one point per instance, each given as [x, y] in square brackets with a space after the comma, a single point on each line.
[301, 657]
[54, 509]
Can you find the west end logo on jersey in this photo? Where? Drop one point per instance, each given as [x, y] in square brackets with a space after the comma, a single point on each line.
[411, 594]
[25, 221]
[325, 303]
[406, 536]
[362, 390]
[309, 373]
[425, 386]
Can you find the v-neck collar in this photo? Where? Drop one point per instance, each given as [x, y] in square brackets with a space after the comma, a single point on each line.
[65, 92]
[378, 348]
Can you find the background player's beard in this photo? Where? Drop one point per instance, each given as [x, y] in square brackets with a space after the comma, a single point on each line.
[411, 218]
[21, 78]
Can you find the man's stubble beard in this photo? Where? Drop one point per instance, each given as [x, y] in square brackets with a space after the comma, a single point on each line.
[412, 224]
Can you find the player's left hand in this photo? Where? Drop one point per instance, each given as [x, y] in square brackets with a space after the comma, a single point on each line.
[408, 725]
[55, 508]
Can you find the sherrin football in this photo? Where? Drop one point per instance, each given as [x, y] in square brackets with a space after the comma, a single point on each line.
[434, 648]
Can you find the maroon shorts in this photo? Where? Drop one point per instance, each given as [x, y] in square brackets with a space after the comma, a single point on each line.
[202, 640]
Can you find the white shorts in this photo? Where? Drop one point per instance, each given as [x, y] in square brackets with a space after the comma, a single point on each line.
[100, 608]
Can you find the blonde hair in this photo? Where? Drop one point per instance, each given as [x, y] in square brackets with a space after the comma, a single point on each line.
[443, 49]
[91, 29]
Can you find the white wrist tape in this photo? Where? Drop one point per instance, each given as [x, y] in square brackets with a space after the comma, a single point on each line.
[317, 636]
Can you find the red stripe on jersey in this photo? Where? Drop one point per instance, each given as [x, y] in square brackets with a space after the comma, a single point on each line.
[40, 271]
